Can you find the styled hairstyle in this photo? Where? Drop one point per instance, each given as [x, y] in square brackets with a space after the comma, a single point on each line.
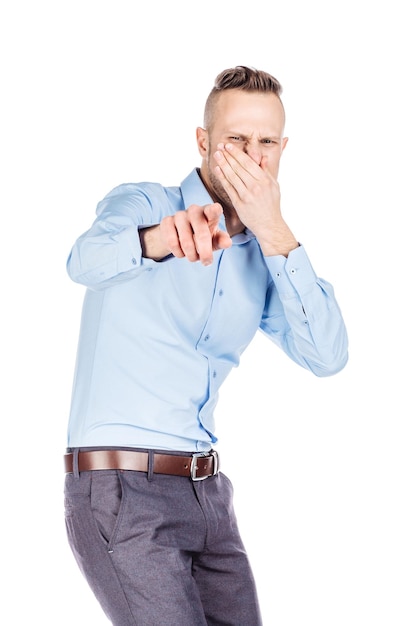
[243, 78]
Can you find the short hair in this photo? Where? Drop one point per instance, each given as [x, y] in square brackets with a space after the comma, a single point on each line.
[243, 78]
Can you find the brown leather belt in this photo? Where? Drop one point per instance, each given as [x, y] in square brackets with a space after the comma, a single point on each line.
[196, 466]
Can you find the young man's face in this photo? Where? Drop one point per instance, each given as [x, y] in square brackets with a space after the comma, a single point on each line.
[253, 122]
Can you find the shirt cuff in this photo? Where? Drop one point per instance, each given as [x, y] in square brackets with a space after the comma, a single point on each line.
[292, 275]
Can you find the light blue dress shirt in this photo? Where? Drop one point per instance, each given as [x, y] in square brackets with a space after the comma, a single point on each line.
[157, 339]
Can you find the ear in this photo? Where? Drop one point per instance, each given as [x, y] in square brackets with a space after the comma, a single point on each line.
[284, 143]
[202, 141]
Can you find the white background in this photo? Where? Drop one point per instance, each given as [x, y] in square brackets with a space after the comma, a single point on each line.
[99, 93]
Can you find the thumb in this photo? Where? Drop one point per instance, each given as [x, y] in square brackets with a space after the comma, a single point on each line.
[221, 240]
[213, 213]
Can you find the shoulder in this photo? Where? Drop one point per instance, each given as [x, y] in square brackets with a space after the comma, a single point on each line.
[143, 189]
[152, 198]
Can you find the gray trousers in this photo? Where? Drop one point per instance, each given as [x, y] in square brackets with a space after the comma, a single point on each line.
[160, 550]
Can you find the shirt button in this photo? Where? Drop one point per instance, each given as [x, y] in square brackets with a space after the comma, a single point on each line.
[220, 292]
[134, 261]
[293, 270]
[278, 274]
[207, 337]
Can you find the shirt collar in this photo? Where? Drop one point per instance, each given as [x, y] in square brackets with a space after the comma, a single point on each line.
[193, 190]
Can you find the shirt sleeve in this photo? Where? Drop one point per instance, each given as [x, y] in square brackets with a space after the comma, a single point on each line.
[110, 250]
[302, 315]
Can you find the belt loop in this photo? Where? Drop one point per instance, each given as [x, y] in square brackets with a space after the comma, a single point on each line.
[75, 463]
[150, 464]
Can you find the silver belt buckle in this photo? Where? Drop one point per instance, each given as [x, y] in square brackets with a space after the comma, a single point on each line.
[194, 466]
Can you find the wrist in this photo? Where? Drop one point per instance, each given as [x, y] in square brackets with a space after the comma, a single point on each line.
[151, 244]
[282, 249]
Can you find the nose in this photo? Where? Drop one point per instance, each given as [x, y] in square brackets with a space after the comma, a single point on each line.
[254, 152]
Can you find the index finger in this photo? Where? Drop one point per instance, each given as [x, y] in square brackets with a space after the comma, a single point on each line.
[201, 220]
[239, 161]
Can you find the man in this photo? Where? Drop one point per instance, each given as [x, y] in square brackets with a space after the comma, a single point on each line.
[179, 280]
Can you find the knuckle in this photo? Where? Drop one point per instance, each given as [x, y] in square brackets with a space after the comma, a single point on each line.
[194, 210]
